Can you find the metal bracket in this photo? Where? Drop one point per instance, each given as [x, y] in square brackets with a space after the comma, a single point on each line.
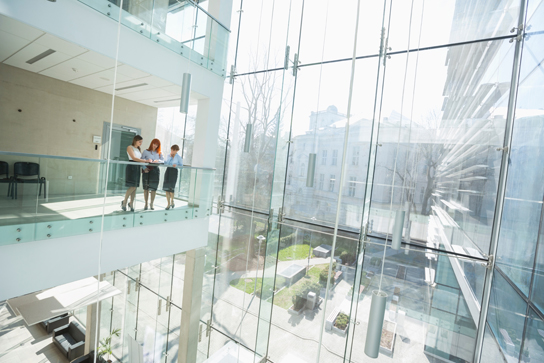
[160, 307]
[519, 36]
[232, 75]
[295, 65]
[168, 303]
[386, 56]
[503, 148]
[200, 333]
[489, 264]
[220, 205]
[280, 215]
[137, 287]
[208, 327]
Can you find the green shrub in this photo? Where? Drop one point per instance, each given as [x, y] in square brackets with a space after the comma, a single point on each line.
[347, 257]
[341, 321]
[323, 276]
[300, 291]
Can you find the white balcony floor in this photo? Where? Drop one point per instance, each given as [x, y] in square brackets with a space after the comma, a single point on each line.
[29, 210]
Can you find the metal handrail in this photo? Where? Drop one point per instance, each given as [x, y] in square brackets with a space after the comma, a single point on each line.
[211, 16]
[103, 161]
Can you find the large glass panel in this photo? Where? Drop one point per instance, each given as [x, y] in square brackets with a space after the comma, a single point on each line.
[522, 220]
[238, 273]
[533, 347]
[264, 31]
[258, 100]
[318, 136]
[506, 317]
[491, 352]
[452, 21]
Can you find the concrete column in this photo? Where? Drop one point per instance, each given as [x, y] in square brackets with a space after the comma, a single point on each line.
[190, 309]
[208, 115]
[221, 10]
[93, 322]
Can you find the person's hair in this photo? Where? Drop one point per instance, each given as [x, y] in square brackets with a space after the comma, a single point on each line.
[137, 138]
[175, 147]
[155, 141]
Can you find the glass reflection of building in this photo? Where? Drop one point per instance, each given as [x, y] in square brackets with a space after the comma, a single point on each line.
[309, 126]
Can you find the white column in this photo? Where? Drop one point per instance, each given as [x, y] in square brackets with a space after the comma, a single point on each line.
[190, 310]
[93, 322]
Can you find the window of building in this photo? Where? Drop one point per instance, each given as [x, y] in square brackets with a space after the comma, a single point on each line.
[321, 181]
[331, 183]
[334, 157]
[351, 186]
[324, 157]
[355, 156]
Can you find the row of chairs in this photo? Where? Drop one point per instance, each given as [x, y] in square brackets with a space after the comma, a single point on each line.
[23, 172]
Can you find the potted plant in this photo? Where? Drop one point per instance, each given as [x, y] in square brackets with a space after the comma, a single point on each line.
[106, 347]
[341, 323]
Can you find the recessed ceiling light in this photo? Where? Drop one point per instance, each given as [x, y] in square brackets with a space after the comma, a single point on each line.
[173, 99]
[136, 85]
[41, 56]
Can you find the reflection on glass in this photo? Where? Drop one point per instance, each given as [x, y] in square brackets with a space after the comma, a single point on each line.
[506, 316]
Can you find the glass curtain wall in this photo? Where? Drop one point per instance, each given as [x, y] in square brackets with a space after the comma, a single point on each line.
[427, 114]
[516, 305]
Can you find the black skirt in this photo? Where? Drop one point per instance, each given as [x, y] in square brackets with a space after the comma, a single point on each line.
[150, 180]
[132, 175]
[170, 180]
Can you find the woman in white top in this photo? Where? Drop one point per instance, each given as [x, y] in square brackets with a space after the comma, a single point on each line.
[132, 172]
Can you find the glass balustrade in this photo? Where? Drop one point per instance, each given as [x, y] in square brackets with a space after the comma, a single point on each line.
[180, 26]
[51, 197]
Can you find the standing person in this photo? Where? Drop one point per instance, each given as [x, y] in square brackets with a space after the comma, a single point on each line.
[171, 175]
[132, 172]
[151, 174]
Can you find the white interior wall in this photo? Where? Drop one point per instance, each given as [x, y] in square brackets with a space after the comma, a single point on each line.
[45, 125]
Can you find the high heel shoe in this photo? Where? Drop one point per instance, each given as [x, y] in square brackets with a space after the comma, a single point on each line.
[131, 207]
[172, 206]
[145, 208]
[151, 207]
[167, 207]
[123, 206]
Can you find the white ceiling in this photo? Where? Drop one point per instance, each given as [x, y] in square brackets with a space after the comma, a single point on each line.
[71, 63]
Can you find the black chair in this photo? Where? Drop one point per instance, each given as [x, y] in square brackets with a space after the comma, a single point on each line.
[4, 176]
[24, 172]
[70, 339]
[56, 322]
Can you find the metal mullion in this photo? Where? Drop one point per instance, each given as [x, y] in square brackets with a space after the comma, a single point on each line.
[137, 285]
[170, 309]
[501, 188]
[503, 37]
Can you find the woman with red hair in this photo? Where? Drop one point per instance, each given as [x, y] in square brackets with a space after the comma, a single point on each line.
[151, 175]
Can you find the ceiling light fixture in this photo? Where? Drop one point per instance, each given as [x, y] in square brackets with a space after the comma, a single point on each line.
[41, 56]
[173, 99]
[136, 85]
[185, 93]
